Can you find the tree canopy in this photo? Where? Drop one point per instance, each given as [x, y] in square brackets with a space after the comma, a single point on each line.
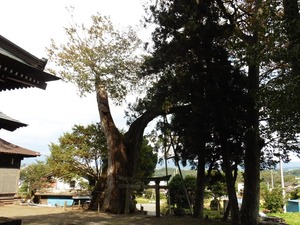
[98, 54]
[102, 59]
[83, 152]
[34, 176]
[218, 66]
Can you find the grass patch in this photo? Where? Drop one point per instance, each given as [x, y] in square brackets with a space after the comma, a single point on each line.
[290, 218]
[143, 200]
[212, 214]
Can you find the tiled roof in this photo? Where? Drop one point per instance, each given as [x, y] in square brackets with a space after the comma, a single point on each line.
[9, 123]
[20, 69]
[11, 149]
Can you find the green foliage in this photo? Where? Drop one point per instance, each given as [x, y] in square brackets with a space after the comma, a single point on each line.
[274, 200]
[267, 175]
[83, 152]
[177, 192]
[148, 194]
[165, 209]
[35, 176]
[217, 184]
[194, 69]
[97, 55]
[295, 194]
[215, 204]
[147, 161]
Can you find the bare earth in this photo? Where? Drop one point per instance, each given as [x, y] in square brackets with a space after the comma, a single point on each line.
[35, 215]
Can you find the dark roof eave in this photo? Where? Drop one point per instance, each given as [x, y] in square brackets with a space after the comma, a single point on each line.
[22, 54]
[15, 75]
[9, 123]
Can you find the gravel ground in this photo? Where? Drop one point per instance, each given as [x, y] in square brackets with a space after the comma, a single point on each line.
[36, 215]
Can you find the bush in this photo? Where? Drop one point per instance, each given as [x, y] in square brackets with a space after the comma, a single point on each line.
[295, 194]
[274, 200]
[215, 204]
[148, 194]
[165, 209]
[177, 192]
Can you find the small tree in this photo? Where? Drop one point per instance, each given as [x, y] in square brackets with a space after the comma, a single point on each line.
[34, 177]
[178, 198]
[217, 186]
[83, 152]
[274, 200]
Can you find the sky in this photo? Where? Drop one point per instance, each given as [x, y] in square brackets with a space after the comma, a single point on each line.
[49, 113]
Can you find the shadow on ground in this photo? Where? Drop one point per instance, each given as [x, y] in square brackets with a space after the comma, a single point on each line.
[57, 216]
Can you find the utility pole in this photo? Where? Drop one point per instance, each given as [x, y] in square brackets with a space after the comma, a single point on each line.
[282, 183]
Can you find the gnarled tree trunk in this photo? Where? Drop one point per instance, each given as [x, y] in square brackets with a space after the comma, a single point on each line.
[114, 198]
[123, 150]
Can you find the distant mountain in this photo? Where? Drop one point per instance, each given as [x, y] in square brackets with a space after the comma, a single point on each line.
[173, 171]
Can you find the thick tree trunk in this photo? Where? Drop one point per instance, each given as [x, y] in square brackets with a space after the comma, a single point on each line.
[292, 17]
[251, 196]
[201, 180]
[230, 183]
[114, 198]
[123, 151]
[250, 205]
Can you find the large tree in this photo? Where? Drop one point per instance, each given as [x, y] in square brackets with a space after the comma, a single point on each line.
[102, 59]
[259, 43]
[194, 69]
[34, 176]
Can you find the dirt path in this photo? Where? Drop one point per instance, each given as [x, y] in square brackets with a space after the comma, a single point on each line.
[33, 215]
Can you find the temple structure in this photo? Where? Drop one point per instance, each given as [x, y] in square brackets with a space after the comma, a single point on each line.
[18, 69]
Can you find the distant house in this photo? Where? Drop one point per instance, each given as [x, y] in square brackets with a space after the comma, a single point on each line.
[18, 69]
[60, 192]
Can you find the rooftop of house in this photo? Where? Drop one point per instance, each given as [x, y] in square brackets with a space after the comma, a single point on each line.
[11, 149]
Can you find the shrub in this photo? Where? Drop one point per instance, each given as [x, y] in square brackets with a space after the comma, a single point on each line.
[215, 204]
[177, 192]
[295, 194]
[274, 200]
[148, 194]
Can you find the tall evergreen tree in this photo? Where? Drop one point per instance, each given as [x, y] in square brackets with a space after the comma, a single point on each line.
[194, 69]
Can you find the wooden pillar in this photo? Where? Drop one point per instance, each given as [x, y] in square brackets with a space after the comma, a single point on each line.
[157, 197]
